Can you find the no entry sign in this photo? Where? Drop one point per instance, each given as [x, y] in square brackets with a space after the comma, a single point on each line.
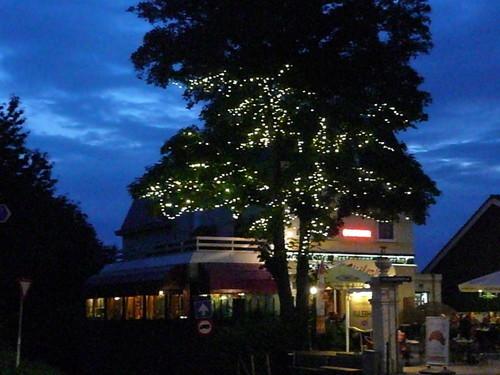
[205, 327]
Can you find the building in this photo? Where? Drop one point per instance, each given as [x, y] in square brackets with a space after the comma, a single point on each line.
[472, 252]
[167, 263]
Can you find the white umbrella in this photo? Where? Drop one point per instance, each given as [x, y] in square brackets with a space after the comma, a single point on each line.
[487, 283]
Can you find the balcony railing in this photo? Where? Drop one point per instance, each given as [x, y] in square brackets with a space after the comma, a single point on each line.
[204, 243]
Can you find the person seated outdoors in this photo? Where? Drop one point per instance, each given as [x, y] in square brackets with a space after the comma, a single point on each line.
[404, 349]
[465, 326]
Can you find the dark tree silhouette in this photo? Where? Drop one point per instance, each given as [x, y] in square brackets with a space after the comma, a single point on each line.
[47, 239]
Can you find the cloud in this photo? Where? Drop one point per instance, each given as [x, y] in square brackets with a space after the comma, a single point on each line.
[69, 61]
[70, 64]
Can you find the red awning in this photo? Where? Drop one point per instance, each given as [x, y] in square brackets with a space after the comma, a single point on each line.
[239, 278]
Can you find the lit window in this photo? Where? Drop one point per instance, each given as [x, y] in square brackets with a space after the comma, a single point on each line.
[89, 308]
[421, 298]
[385, 231]
[114, 308]
[222, 305]
[155, 307]
[175, 305]
[135, 307]
[95, 308]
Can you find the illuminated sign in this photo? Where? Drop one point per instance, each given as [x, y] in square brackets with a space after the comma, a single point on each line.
[357, 233]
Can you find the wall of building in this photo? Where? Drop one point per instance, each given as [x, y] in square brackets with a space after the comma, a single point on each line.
[402, 243]
[474, 255]
[138, 244]
[149, 241]
[429, 283]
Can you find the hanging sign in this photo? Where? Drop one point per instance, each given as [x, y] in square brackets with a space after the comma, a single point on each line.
[437, 340]
[24, 284]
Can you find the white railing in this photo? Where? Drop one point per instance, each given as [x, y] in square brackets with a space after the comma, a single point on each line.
[203, 243]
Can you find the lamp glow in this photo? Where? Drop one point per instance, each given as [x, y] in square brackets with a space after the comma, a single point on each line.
[313, 290]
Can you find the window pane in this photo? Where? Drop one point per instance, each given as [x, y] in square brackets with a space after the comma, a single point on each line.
[421, 298]
[114, 307]
[385, 231]
[175, 308]
[135, 307]
[155, 307]
[89, 308]
[99, 310]
[160, 307]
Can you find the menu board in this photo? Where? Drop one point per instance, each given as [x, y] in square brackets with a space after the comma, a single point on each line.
[437, 340]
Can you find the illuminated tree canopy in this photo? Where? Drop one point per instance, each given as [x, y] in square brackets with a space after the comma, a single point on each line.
[326, 170]
[303, 103]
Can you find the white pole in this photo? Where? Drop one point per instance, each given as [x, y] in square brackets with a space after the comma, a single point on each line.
[335, 301]
[347, 320]
[19, 332]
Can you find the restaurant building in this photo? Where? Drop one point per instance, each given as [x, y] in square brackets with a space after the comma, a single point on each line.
[166, 263]
[472, 252]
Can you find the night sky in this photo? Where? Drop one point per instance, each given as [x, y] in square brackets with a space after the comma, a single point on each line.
[69, 63]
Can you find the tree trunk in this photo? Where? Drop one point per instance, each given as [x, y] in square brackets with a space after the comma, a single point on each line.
[278, 259]
[280, 270]
[302, 302]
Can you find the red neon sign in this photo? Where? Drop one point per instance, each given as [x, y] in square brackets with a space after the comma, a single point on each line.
[357, 233]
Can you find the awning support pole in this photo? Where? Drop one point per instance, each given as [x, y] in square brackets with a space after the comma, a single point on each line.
[347, 320]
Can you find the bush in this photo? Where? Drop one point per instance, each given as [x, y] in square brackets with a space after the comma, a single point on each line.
[8, 361]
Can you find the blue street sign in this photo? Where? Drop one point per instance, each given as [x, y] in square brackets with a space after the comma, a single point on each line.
[4, 213]
[202, 308]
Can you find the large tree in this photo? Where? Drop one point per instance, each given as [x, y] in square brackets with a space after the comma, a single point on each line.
[327, 127]
[264, 146]
[47, 239]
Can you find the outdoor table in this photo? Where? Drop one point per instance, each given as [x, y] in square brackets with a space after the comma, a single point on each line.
[414, 348]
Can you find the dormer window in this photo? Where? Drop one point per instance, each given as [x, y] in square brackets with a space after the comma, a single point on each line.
[386, 231]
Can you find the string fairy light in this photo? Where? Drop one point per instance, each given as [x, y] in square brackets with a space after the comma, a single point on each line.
[263, 111]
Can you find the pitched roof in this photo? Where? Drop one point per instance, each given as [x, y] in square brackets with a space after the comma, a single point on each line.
[493, 199]
[141, 217]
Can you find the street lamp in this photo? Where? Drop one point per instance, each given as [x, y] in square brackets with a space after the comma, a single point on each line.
[313, 290]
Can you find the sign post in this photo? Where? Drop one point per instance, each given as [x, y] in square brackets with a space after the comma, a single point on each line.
[4, 213]
[203, 313]
[24, 284]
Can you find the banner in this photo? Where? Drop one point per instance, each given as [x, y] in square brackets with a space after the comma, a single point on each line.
[360, 310]
[437, 340]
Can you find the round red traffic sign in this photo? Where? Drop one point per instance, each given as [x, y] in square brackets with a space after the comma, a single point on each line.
[205, 327]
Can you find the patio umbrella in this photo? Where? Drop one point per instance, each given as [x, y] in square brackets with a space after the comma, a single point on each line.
[487, 283]
[344, 276]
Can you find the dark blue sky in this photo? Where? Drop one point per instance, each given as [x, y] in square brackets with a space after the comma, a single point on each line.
[69, 63]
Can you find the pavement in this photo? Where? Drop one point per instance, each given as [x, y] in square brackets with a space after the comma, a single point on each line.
[486, 368]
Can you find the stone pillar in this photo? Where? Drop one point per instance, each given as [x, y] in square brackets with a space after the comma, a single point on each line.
[385, 325]
[385, 317]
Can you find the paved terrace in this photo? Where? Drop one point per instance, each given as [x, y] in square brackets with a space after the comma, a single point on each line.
[487, 368]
